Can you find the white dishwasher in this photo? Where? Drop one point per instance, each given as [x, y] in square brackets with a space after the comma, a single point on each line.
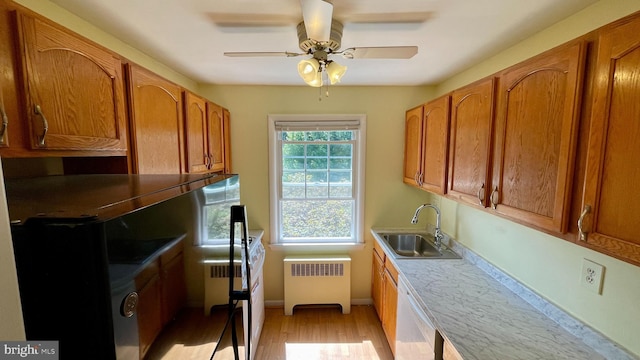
[416, 337]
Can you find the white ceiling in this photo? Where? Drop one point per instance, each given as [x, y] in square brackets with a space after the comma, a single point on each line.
[454, 35]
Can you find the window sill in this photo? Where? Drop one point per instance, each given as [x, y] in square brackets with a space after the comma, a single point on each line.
[315, 248]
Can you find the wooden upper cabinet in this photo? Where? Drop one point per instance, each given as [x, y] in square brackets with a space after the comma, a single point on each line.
[226, 129]
[9, 115]
[156, 123]
[611, 200]
[74, 92]
[205, 134]
[413, 146]
[217, 139]
[535, 137]
[470, 142]
[198, 159]
[435, 135]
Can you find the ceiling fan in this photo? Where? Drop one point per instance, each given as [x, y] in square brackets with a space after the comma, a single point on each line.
[320, 36]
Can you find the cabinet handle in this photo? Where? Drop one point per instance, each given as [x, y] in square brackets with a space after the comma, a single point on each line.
[494, 203]
[5, 123]
[420, 179]
[207, 161]
[583, 234]
[481, 191]
[45, 123]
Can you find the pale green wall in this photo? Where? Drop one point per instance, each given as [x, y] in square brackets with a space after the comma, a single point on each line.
[386, 197]
[549, 265]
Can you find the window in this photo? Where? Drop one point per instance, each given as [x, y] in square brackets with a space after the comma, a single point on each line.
[316, 178]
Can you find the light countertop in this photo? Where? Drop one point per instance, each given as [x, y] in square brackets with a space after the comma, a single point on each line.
[484, 319]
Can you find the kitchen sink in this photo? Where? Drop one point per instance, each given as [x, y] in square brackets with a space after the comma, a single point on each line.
[416, 246]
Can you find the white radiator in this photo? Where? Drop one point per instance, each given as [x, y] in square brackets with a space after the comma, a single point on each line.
[216, 282]
[317, 279]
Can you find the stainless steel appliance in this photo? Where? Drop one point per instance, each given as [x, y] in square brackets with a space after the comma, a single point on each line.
[256, 255]
[79, 242]
[416, 337]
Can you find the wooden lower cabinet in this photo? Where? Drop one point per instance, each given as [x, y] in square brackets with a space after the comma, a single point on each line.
[449, 352]
[390, 307]
[149, 306]
[174, 291]
[162, 293]
[377, 291]
[384, 291]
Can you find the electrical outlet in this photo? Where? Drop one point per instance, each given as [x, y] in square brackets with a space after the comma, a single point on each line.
[592, 275]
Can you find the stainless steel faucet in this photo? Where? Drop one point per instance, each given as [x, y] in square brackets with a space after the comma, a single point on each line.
[437, 233]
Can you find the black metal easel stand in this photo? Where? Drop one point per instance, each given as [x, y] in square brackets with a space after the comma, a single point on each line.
[238, 215]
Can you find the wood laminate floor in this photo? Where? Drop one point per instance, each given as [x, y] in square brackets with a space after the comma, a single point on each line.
[311, 333]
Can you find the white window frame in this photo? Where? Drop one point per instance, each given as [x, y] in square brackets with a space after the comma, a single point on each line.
[275, 172]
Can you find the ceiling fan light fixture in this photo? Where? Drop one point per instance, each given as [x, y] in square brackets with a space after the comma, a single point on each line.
[335, 72]
[309, 71]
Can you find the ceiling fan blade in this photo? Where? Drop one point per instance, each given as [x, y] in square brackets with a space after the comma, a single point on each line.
[317, 16]
[383, 52]
[261, 54]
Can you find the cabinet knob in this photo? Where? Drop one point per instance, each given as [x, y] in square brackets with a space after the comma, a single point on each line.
[45, 125]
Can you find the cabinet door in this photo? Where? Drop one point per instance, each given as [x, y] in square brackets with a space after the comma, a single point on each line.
[74, 90]
[434, 145]
[227, 141]
[535, 137]
[9, 116]
[611, 201]
[413, 146]
[390, 309]
[174, 293]
[215, 117]
[469, 142]
[4, 120]
[377, 272]
[156, 123]
[198, 159]
[149, 309]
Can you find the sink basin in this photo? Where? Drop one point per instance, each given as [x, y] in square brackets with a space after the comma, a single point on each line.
[416, 246]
